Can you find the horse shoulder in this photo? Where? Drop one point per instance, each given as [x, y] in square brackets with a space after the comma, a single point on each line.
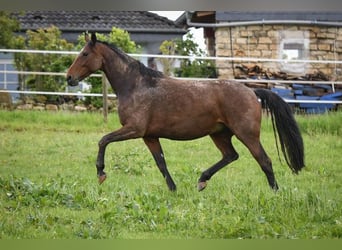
[134, 109]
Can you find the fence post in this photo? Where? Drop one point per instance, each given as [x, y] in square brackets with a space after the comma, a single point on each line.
[105, 97]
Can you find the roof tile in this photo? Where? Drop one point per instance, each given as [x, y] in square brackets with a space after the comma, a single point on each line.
[143, 21]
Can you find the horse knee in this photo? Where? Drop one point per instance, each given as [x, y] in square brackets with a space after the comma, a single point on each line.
[103, 142]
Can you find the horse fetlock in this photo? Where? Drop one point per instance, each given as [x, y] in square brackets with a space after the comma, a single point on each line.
[275, 186]
[170, 184]
[201, 185]
[102, 177]
[173, 188]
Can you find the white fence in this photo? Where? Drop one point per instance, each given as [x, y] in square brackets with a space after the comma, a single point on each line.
[240, 59]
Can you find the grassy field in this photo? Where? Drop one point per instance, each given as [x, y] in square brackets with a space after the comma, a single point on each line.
[48, 184]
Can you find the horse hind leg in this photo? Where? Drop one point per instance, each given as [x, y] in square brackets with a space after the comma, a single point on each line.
[266, 166]
[259, 154]
[223, 142]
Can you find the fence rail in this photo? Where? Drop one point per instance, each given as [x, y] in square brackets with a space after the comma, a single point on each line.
[240, 59]
[183, 78]
[191, 57]
[113, 96]
[54, 93]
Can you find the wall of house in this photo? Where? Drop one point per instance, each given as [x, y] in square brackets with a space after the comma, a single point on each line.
[278, 42]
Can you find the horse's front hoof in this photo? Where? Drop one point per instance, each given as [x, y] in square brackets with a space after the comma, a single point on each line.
[102, 178]
[202, 185]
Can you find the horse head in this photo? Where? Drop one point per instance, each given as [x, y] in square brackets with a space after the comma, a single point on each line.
[87, 62]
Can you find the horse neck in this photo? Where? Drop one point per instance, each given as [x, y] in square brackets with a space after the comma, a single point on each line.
[118, 73]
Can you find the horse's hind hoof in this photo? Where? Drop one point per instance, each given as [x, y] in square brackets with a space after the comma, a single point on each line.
[202, 185]
[102, 178]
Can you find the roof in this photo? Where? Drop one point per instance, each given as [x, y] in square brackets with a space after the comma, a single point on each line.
[101, 21]
[245, 16]
[231, 16]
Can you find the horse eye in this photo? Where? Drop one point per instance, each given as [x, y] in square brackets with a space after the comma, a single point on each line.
[85, 53]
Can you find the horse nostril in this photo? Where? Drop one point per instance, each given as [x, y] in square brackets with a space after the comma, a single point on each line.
[68, 79]
[72, 81]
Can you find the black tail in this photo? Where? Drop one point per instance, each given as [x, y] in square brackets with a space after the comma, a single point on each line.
[290, 138]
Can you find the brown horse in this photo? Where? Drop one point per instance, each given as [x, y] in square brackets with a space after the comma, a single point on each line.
[153, 106]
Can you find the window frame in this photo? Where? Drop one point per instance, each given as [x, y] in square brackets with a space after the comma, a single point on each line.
[302, 44]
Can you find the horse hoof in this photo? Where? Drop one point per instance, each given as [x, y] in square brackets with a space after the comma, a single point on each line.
[102, 178]
[202, 185]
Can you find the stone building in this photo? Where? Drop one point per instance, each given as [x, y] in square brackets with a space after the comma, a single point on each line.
[272, 35]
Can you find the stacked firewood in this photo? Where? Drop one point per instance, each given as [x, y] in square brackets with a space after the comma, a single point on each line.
[254, 71]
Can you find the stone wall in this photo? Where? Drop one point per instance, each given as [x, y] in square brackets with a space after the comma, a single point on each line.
[30, 104]
[269, 41]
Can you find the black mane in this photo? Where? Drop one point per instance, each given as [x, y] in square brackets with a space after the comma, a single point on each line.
[134, 64]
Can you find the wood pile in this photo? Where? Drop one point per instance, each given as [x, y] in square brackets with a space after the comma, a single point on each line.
[254, 71]
[295, 90]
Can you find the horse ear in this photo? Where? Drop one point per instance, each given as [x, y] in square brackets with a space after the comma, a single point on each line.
[86, 37]
[93, 38]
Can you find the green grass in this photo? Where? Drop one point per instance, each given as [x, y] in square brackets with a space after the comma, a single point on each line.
[48, 184]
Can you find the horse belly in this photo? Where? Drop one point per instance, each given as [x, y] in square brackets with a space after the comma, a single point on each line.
[183, 128]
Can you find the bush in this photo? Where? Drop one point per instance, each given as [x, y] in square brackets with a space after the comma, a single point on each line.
[188, 68]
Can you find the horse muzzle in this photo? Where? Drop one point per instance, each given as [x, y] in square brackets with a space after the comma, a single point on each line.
[72, 81]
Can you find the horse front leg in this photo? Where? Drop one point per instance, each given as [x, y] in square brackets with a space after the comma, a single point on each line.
[156, 150]
[124, 133]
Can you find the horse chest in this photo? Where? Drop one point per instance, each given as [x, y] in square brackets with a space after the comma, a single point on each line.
[133, 109]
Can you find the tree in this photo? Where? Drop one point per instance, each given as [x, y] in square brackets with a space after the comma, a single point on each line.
[8, 26]
[43, 39]
[188, 67]
[121, 39]
[167, 48]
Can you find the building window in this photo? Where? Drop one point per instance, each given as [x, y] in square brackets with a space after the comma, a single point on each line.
[293, 51]
[294, 46]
